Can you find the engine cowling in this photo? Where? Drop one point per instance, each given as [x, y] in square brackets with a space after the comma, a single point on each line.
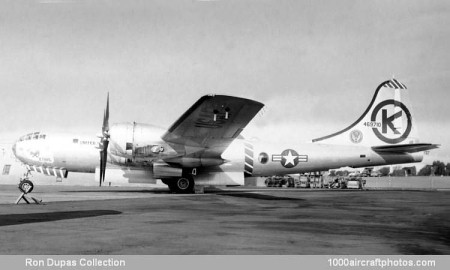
[134, 139]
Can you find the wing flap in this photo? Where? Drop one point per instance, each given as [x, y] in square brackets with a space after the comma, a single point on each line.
[405, 148]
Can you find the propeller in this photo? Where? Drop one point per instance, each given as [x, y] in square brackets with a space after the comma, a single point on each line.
[104, 141]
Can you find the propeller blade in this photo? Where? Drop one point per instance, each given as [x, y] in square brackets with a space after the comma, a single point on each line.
[104, 142]
[103, 161]
[105, 127]
[101, 168]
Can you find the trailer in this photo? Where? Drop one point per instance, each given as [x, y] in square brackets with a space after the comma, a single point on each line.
[347, 183]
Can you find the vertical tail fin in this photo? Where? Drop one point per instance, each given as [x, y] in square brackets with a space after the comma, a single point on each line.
[387, 120]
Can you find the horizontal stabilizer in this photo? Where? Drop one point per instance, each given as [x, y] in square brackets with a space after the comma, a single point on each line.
[405, 148]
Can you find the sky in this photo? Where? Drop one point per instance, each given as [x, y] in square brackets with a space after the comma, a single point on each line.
[314, 64]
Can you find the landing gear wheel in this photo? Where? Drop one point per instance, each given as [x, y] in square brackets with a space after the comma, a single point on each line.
[26, 186]
[165, 182]
[184, 185]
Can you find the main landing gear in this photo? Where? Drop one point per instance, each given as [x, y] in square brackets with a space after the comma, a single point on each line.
[25, 187]
[183, 185]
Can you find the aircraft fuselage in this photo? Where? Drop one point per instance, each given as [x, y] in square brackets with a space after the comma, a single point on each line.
[71, 152]
[254, 158]
[277, 159]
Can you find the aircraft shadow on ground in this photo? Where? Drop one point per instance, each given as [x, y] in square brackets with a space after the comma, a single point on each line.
[119, 191]
[258, 196]
[18, 219]
[216, 191]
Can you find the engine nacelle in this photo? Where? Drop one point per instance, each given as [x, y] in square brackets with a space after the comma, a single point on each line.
[148, 151]
[133, 139]
[192, 162]
[163, 170]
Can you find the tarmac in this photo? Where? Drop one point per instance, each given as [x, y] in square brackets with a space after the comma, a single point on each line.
[152, 221]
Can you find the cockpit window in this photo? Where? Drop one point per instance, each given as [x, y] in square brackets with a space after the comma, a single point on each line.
[33, 136]
[75, 140]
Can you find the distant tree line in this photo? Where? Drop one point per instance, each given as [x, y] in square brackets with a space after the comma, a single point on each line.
[385, 171]
[339, 173]
[437, 168]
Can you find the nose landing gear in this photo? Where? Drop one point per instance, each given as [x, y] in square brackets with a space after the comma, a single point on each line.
[25, 187]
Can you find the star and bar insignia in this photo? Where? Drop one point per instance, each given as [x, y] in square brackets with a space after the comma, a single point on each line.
[290, 158]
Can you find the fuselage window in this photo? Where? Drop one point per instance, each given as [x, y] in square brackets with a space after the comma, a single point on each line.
[263, 158]
[6, 169]
[75, 140]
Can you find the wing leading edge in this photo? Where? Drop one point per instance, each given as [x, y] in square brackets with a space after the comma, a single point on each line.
[211, 124]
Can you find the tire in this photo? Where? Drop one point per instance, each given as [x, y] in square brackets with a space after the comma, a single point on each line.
[26, 186]
[172, 187]
[169, 184]
[165, 181]
[182, 185]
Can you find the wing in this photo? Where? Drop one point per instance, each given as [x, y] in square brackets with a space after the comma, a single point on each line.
[405, 148]
[211, 124]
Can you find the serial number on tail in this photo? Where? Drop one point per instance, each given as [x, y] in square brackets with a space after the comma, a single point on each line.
[372, 124]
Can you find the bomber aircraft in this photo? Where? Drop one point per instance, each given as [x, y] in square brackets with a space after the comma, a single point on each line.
[204, 146]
